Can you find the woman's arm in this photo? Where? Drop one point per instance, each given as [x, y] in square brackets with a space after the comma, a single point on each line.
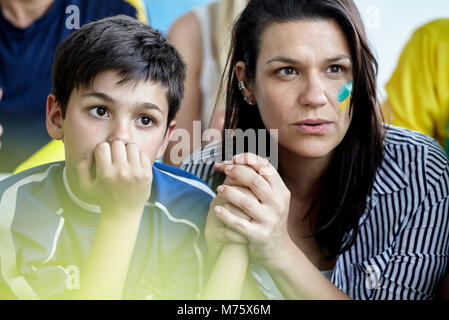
[227, 255]
[268, 240]
[185, 35]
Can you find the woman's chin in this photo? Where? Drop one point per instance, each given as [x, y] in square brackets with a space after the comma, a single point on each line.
[312, 151]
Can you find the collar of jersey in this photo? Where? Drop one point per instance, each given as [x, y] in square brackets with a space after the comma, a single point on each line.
[80, 203]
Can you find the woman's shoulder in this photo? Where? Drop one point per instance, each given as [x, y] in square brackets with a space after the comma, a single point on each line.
[418, 156]
[397, 137]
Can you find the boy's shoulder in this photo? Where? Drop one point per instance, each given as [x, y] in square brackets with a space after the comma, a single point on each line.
[182, 178]
[175, 181]
[180, 191]
[31, 176]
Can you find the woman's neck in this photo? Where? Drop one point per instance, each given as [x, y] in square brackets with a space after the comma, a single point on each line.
[302, 176]
[23, 13]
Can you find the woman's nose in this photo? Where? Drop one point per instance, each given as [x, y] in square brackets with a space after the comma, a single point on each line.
[313, 94]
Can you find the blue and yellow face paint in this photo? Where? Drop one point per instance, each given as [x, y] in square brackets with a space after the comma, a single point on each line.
[344, 96]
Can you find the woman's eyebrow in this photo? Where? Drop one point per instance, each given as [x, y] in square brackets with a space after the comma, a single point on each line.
[288, 60]
[282, 59]
[338, 58]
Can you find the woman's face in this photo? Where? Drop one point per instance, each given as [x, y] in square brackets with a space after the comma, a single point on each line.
[303, 84]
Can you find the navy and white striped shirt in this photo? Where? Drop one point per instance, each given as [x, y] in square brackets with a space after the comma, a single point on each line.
[401, 251]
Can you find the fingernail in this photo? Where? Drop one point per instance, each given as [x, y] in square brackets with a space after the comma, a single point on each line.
[218, 209]
[220, 189]
[239, 158]
[228, 168]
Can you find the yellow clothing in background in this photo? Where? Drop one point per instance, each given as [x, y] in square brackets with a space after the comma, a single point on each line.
[51, 152]
[418, 91]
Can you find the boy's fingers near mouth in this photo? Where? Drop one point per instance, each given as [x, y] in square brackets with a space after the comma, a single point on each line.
[133, 156]
[103, 157]
[118, 153]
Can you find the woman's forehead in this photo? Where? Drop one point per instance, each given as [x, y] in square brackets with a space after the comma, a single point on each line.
[303, 38]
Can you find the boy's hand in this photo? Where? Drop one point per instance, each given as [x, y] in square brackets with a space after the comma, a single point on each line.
[123, 178]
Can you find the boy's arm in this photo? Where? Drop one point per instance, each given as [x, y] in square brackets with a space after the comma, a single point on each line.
[122, 186]
[105, 273]
[227, 253]
[227, 277]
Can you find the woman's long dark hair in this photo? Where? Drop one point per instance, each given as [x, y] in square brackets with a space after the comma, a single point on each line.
[350, 177]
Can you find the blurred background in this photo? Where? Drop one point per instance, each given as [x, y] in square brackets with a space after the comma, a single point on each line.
[390, 23]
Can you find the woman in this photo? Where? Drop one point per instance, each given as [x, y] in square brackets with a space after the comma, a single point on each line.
[355, 209]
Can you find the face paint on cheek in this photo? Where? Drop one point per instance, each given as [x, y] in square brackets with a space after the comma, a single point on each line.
[344, 96]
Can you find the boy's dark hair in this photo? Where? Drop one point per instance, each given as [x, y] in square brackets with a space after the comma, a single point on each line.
[123, 43]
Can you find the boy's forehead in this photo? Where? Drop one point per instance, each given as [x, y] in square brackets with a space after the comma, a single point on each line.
[110, 84]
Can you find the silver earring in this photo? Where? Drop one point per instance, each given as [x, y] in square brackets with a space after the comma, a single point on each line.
[241, 85]
[251, 103]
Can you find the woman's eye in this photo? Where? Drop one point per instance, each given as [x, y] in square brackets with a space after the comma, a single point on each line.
[287, 71]
[335, 69]
[99, 112]
[145, 121]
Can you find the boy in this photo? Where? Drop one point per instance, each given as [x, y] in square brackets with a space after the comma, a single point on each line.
[105, 223]
[30, 31]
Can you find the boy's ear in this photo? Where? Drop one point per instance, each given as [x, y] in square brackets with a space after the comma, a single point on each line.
[168, 134]
[54, 118]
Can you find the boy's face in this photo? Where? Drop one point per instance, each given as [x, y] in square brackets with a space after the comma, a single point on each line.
[133, 112]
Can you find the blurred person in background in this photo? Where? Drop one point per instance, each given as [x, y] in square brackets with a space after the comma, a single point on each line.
[418, 91]
[202, 36]
[30, 30]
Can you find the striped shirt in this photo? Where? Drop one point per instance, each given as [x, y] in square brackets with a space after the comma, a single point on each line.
[401, 250]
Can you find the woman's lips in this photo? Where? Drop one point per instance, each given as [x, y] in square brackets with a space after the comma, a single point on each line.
[313, 126]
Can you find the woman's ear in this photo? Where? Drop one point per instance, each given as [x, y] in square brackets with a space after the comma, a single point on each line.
[54, 118]
[244, 86]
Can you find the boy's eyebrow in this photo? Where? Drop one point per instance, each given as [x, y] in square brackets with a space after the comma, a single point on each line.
[99, 95]
[136, 108]
[146, 106]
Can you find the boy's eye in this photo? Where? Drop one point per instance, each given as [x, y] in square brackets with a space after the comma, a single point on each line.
[100, 112]
[145, 121]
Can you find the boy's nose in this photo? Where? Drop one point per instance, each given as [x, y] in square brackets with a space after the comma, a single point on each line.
[120, 130]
